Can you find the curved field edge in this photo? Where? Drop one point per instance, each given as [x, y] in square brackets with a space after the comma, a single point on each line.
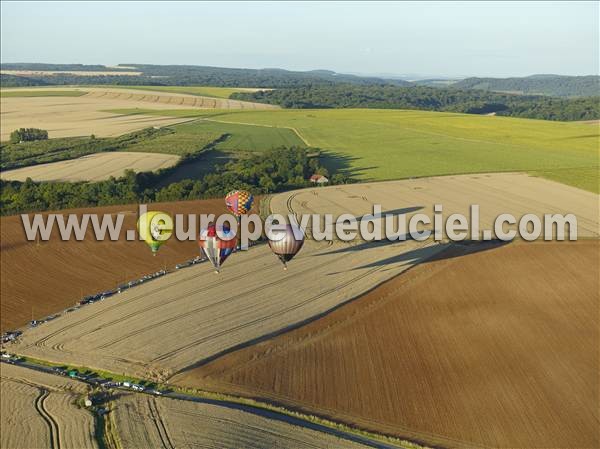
[67, 271]
[202, 91]
[371, 144]
[276, 369]
[41, 93]
[233, 399]
[82, 115]
[56, 401]
[94, 167]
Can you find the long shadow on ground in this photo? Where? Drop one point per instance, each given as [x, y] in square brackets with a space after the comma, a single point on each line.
[452, 250]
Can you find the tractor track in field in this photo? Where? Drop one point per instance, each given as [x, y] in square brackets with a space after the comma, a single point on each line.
[40, 405]
[233, 423]
[247, 323]
[312, 299]
[60, 346]
[161, 427]
[41, 342]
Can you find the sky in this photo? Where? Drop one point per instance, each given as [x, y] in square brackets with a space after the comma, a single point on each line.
[496, 39]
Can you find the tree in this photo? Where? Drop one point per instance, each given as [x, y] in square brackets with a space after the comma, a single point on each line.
[28, 135]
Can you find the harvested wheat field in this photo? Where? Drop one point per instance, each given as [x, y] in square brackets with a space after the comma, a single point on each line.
[93, 167]
[493, 346]
[86, 114]
[42, 278]
[146, 421]
[159, 328]
[514, 193]
[15, 373]
[39, 411]
[192, 316]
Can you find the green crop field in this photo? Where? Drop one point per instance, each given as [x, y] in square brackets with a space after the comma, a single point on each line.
[181, 142]
[244, 137]
[234, 140]
[375, 144]
[41, 93]
[203, 91]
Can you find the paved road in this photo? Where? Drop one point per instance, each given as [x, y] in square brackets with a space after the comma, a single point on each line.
[231, 405]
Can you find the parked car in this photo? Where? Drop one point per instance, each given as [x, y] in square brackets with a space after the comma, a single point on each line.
[9, 336]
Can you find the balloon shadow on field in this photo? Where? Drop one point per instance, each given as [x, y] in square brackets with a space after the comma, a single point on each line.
[349, 248]
[395, 212]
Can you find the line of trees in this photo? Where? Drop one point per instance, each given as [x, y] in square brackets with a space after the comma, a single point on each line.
[24, 152]
[272, 171]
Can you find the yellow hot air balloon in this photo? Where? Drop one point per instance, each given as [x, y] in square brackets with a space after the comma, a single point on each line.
[155, 228]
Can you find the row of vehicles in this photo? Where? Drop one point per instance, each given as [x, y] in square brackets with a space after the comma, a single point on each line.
[107, 294]
[189, 263]
[90, 299]
[9, 358]
[93, 379]
[10, 336]
[145, 278]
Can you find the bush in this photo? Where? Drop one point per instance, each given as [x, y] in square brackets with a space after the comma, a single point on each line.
[28, 135]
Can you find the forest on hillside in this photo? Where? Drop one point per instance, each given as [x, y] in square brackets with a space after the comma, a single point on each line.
[429, 98]
[547, 97]
[553, 85]
[182, 75]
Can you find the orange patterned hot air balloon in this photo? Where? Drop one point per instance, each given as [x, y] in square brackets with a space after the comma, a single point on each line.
[239, 202]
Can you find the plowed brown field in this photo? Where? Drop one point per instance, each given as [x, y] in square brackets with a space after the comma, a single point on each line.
[40, 279]
[496, 348]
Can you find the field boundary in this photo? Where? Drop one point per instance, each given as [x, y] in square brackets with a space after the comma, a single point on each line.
[260, 125]
[260, 408]
[219, 377]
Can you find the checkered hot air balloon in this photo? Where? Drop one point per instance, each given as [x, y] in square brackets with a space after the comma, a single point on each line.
[217, 244]
[239, 202]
